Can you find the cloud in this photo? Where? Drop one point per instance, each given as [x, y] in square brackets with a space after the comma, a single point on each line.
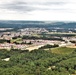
[27, 6]
[38, 9]
[16, 6]
[54, 3]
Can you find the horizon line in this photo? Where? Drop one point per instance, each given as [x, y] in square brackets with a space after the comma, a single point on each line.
[41, 20]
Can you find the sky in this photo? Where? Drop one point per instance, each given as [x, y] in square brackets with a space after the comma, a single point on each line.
[41, 10]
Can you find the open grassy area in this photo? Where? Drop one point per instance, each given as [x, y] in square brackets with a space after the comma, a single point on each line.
[62, 50]
[17, 40]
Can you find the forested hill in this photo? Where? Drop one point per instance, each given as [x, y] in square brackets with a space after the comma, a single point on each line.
[40, 24]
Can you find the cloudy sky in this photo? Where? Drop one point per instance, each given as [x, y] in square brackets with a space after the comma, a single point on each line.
[49, 10]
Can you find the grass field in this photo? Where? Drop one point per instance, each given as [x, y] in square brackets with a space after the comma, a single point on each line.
[62, 50]
[17, 40]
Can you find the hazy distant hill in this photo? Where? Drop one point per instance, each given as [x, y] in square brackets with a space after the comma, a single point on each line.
[41, 24]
